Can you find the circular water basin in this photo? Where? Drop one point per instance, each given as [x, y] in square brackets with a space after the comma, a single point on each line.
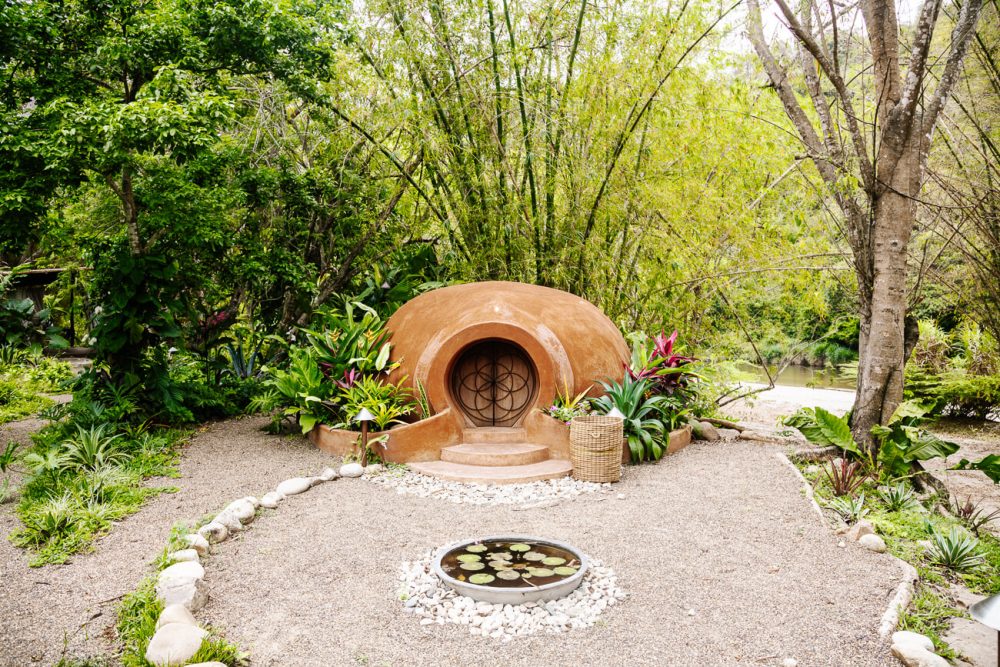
[511, 569]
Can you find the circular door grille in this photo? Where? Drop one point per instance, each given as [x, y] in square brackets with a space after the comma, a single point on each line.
[494, 383]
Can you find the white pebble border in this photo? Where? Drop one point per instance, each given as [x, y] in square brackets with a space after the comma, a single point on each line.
[408, 482]
[427, 597]
[181, 587]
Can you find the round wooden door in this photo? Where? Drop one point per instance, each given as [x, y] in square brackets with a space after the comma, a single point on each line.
[494, 383]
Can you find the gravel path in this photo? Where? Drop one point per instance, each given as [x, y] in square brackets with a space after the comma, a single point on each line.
[720, 554]
[43, 610]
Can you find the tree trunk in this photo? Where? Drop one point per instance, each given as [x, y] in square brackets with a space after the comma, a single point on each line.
[883, 349]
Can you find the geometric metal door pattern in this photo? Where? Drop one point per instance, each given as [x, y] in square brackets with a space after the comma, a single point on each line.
[494, 383]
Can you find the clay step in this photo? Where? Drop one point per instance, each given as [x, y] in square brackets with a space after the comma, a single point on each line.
[459, 472]
[493, 434]
[503, 454]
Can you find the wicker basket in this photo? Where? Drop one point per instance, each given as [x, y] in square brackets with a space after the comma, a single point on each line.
[595, 448]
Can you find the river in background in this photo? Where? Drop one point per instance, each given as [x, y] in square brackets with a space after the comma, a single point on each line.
[795, 375]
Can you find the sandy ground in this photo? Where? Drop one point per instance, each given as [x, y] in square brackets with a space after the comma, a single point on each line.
[314, 583]
[45, 612]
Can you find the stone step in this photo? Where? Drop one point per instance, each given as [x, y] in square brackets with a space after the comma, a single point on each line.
[460, 472]
[493, 434]
[502, 454]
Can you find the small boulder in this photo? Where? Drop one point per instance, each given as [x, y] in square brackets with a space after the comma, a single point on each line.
[873, 542]
[351, 470]
[728, 433]
[214, 532]
[271, 500]
[373, 468]
[329, 474]
[174, 644]
[227, 519]
[912, 655]
[252, 500]
[914, 638]
[294, 486]
[242, 509]
[197, 542]
[175, 613]
[860, 529]
[184, 555]
[705, 431]
[189, 594]
[186, 571]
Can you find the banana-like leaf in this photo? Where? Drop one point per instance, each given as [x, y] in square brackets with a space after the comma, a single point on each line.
[990, 465]
[836, 431]
[909, 410]
[921, 445]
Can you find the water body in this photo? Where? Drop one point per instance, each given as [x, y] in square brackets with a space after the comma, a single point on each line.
[802, 376]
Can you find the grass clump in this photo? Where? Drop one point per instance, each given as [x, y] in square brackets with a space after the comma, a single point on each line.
[83, 474]
[140, 609]
[931, 614]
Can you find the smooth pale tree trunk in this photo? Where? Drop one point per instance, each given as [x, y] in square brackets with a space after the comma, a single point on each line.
[883, 343]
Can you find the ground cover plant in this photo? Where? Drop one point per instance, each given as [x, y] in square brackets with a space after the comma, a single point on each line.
[86, 470]
[25, 375]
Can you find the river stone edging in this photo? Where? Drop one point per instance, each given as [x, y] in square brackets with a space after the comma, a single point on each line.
[181, 586]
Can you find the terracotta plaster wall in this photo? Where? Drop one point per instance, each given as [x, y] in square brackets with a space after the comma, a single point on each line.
[568, 339]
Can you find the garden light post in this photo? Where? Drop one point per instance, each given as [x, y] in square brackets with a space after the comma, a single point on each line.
[364, 416]
[987, 612]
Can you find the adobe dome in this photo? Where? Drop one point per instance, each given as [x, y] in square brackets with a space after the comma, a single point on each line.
[496, 351]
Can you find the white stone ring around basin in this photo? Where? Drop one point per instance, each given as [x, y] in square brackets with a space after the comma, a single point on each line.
[550, 591]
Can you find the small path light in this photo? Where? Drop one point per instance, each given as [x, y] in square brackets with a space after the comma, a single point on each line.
[987, 612]
[364, 416]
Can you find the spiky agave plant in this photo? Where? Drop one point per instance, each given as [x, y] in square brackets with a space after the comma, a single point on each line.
[851, 509]
[898, 497]
[956, 550]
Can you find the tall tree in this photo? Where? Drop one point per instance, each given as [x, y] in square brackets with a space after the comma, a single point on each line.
[866, 123]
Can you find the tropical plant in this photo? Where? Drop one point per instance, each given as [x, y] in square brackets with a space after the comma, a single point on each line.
[654, 361]
[566, 406]
[92, 448]
[644, 431]
[346, 343]
[898, 497]
[899, 445]
[845, 476]
[851, 509]
[956, 550]
[386, 401]
[303, 388]
[973, 514]
[242, 365]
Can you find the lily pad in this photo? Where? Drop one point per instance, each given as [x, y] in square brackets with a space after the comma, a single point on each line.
[540, 572]
[476, 548]
[519, 547]
[500, 555]
[499, 564]
[508, 575]
[481, 579]
[472, 567]
[553, 560]
[534, 556]
[469, 558]
[565, 571]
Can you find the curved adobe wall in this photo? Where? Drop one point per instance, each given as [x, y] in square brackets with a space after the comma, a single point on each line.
[568, 339]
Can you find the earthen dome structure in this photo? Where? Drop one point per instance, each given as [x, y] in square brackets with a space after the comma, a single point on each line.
[490, 357]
